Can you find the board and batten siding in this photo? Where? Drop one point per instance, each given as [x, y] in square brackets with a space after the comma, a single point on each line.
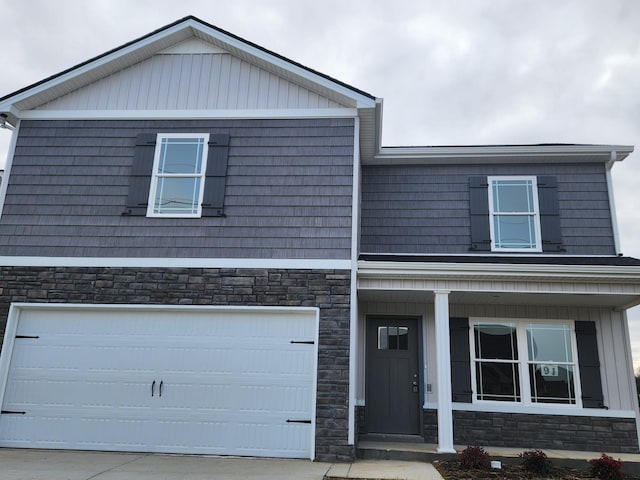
[610, 325]
[419, 209]
[191, 81]
[288, 192]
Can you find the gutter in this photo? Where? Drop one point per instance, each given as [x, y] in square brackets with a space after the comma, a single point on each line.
[408, 270]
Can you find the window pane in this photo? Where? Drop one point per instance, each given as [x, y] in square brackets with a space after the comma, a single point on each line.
[549, 343]
[181, 155]
[177, 195]
[393, 338]
[514, 231]
[513, 196]
[496, 341]
[498, 381]
[552, 383]
[403, 338]
[383, 338]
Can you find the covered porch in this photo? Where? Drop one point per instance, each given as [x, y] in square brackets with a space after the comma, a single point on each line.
[452, 302]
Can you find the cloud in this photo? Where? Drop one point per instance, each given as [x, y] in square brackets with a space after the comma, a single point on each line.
[451, 72]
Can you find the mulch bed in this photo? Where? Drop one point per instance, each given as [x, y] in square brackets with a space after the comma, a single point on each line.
[452, 470]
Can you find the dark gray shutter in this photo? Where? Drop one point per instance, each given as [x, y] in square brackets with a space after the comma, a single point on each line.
[140, 177]
[460, 360]
[215, 181]
[479, 209]
[549, 214]
[589, 365]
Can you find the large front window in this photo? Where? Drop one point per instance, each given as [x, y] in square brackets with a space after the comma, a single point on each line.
[178, 175]
[513, 207]
[524, 361]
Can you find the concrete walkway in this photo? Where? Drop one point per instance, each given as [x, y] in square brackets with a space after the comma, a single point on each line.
[19, 464]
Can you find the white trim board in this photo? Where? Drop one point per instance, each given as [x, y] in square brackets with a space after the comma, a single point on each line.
[275, 263]
[530, 410]
[187, 114]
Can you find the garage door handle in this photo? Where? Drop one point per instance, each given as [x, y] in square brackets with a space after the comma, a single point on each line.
[161, 382]
[153, 386]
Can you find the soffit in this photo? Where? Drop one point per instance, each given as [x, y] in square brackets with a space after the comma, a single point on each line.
[487, 154]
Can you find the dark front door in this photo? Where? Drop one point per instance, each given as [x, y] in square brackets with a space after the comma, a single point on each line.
[393, 379]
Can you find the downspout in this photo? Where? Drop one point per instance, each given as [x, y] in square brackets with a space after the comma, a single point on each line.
[7, 165]
[612, 202]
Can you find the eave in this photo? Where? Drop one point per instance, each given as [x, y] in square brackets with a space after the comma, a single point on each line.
[483, 154]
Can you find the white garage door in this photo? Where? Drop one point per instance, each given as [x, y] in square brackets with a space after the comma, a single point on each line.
[205, 381]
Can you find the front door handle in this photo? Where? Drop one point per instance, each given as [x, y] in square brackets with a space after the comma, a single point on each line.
[153, 386]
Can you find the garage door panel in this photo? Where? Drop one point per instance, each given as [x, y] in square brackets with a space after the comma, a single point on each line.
[230, 381]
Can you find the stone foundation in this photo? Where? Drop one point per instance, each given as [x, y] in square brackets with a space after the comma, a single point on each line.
[560, 432]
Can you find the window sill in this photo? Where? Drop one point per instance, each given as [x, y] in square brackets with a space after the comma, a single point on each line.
[548, 409]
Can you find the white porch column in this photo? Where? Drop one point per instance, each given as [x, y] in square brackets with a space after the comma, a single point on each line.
[443, 373]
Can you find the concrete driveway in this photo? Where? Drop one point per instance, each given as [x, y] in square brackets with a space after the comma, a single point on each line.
[25, 464]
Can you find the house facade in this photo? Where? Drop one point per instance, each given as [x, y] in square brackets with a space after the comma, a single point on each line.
[206, 250]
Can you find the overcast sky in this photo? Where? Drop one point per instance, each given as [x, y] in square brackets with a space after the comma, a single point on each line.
[451, 72]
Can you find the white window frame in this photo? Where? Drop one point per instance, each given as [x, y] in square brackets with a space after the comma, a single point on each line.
[155, 175]
[523, 363]
[535, 214]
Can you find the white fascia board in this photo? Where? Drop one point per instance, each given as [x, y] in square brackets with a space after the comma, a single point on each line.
[498, 153]
[187, 114]
[275, 263]
[614, 274]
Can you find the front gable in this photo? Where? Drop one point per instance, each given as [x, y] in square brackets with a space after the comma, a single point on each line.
[193, 70]
[196, 62]
[184, 54]
[194, 75]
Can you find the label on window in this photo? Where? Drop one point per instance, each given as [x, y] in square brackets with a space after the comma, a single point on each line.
[548, 370]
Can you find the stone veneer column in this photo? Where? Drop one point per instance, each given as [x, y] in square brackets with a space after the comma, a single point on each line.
[443, 373]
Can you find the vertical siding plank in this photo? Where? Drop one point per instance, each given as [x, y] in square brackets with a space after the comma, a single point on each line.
[234, 79]
[187, 81]
[243, 85]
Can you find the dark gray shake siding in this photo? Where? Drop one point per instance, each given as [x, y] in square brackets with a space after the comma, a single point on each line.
[288, 192]
[425, 209]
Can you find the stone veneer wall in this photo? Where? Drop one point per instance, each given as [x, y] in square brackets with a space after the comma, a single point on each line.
[430, 425]
[562, 432]
[329, 290]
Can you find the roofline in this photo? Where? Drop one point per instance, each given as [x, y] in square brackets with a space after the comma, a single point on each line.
[186, 21]
[497, 153]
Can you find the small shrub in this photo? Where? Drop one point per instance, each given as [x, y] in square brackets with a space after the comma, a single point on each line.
[606, 468]
[475, 457]
[536, 461]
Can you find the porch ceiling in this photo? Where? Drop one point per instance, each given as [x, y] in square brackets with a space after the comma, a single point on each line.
[586, 284]
[502, 298]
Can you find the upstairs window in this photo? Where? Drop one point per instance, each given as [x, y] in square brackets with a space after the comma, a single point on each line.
[514, 214]
[178, 175]
[179, 167]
